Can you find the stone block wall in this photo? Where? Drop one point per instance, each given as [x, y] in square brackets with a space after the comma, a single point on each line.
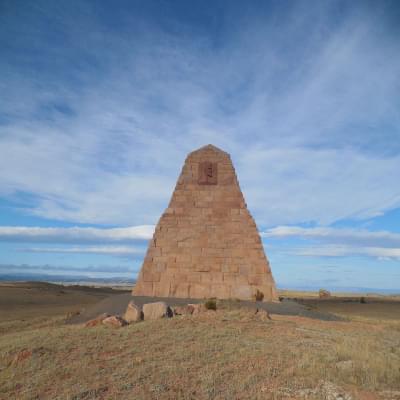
[206, 244]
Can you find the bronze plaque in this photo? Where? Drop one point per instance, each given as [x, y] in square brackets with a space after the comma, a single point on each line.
[208, 173]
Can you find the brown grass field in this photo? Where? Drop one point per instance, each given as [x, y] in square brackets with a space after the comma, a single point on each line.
[227, 354]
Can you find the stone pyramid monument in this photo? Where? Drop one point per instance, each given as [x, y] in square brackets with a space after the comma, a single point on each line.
[206, 243]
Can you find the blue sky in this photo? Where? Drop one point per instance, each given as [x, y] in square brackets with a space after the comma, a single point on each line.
[101, 101]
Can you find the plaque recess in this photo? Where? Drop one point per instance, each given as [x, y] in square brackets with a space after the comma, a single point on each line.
[208, 173]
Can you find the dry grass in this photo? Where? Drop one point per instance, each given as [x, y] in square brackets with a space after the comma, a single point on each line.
[228, 354]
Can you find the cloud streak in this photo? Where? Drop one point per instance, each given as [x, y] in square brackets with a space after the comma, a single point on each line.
[76, 234]
[110, 269]
[383, 253]
[103, 143]
[102, 250]
[361, 237]
[334, 242]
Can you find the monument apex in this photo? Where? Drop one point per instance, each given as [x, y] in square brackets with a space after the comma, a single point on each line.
[206, 243]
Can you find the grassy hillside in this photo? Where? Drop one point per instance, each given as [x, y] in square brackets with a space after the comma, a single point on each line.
[228, 354]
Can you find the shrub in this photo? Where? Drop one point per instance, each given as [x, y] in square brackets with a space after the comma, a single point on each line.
[211, 304]
[362, 300]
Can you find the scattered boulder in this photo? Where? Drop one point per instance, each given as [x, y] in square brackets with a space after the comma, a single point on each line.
[97, 321]
[133, 313]
[262, 315]
[183, 310]
[114, 321]
[156, 310]
[198, 308]
[324, 294]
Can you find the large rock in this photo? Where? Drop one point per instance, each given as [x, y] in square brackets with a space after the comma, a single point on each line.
[184, 310]
[114, 321]
[156, 311]
[206, 243]
[198, 308]
[97, 321]
[133, 313]
[262, 315]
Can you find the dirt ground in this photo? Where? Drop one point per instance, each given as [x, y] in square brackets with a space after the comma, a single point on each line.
[368, 307]
[231, 353]
[117, 305]
[24, 300]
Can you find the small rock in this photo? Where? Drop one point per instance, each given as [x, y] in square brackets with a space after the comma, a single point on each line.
[133, 313]
[183, 310]
[22, 356]
[72, 314]
[262, 314]
[345, 366]
[324, 294]
[330, 391]
[96, 321]
[115, 321]
[156, 310]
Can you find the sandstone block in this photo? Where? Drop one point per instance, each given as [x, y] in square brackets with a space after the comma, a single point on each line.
[133, 313]
[244, 292]
[199, 291]
[220, 291]
[183, 310]
[162, 288]
[156, 310]
[180, 290]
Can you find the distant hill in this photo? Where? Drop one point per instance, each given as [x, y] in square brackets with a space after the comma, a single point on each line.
[19, 277]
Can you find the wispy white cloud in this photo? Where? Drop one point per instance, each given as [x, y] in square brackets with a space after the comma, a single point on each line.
[108, 269]
[337, 242]
[313, 133]
[75, 234]
[345, 251]
[361, 237]
[103, 250]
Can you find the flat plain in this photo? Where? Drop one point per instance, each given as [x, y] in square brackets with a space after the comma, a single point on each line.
[231, 353]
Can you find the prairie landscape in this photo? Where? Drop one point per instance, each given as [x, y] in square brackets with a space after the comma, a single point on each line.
[205, 151]
[230, 353]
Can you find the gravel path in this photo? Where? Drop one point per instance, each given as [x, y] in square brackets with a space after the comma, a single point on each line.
[116, 304]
